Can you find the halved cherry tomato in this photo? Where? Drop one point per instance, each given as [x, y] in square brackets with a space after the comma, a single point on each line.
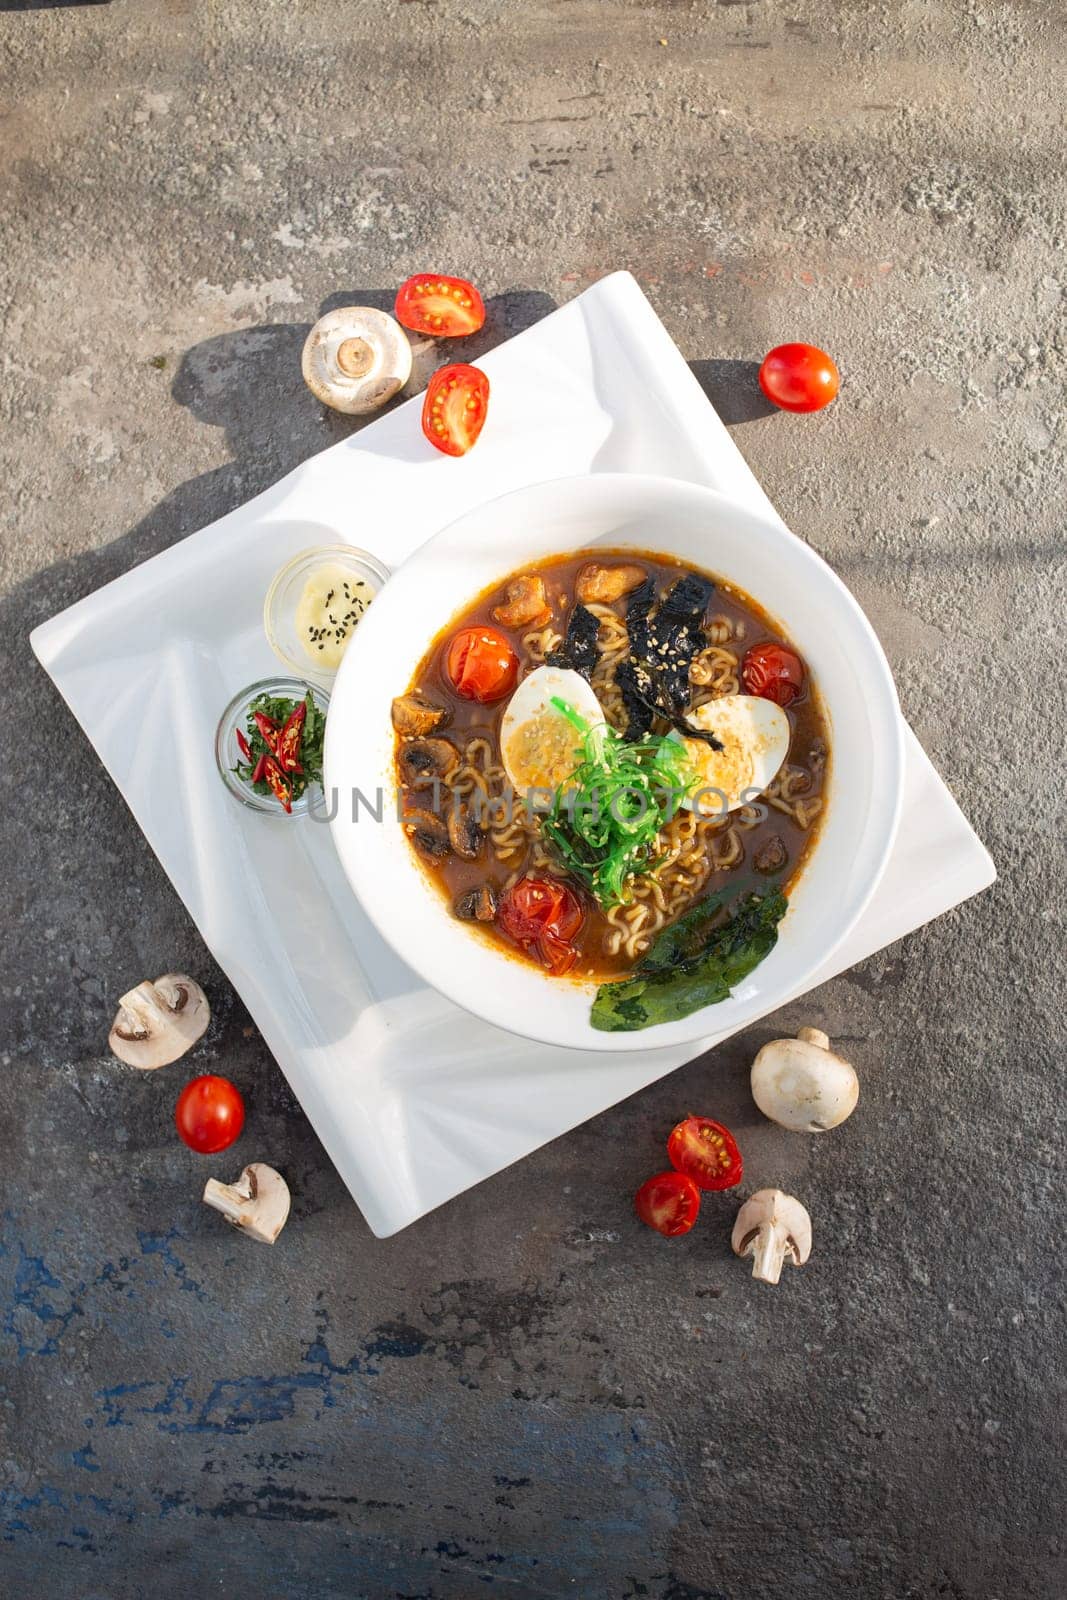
[543, 917]
[453, 413]
[669, 1203]
[773, 672]
[481, 664]
[799, 377]
[706, 1152]
[444, 308]
[210, 1114]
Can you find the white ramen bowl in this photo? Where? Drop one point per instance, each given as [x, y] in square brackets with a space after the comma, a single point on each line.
[612, 511]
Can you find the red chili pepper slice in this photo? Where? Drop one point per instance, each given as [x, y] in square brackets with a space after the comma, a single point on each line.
[269, 731]
[243, 745]
[260, 771]
[278, 785]
[289, 740]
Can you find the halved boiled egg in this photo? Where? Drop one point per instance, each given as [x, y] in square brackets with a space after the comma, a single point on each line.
[538, 745]
[755, 736]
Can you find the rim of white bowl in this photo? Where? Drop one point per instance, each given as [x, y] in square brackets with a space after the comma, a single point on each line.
[394, 921]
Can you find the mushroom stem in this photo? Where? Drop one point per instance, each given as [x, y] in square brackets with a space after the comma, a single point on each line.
[772, 1228]
[355, 357]
[258, 1203]
[814, 1036]
[768, 1255]
[229, 1198]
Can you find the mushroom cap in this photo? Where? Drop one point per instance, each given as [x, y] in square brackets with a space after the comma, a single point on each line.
[772, 1227]
[802, 1085]
[257, 1204]
[355, 359]
[156, 1023]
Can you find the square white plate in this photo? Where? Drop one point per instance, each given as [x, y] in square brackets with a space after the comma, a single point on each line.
[379, 1062]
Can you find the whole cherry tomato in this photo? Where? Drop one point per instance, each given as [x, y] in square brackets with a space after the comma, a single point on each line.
[774, 672]
[543, 917]
[453, 412]
[210, 1114]
[481, 664]
[799, 377]
[669, 1203]
[444, 308]
[706, 1152]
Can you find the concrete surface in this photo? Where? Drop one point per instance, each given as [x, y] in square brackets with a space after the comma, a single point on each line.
[528, 1391]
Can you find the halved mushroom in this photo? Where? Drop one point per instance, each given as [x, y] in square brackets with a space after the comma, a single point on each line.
[600, 585]
[801, 1084]
[420, 759]
[158, 1022]
[464, 834]
[429, 834]
[415, 717]
[772, 855]
[258, 1203]
[526, 605]
[477, 905]
[772, 1228]
[355, 359]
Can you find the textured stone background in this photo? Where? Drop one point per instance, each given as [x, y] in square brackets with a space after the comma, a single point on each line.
[528, 1390]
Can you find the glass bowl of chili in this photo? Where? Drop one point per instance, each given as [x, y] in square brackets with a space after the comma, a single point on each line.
[268, 745]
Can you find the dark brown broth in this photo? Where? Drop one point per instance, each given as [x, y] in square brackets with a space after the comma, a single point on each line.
[810, 732]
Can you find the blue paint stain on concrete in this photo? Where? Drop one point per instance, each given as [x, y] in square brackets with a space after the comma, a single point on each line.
[162, 1245]
[86, 1458]
[40, 1308]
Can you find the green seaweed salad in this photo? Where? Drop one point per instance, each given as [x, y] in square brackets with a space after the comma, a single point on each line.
[695, 962]
[605, 820]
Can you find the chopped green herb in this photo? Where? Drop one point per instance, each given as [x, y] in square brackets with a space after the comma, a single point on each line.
[692, 964]
[606, 818]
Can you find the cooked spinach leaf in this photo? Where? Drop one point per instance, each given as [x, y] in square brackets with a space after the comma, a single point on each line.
[692, 964]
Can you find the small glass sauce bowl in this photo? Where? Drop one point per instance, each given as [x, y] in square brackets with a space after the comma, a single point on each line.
[227, 754]
[285, 592]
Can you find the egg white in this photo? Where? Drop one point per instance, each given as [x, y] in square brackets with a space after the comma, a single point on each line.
[538, 746]
[755, 734]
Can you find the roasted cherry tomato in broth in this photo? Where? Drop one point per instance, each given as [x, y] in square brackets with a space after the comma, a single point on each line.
[543, 917]
[669, 1203]
[481, 664]
[706, 1152]
[774, 672]
[799, 377]
[444, 308]
[453, 413]
[210, 1114]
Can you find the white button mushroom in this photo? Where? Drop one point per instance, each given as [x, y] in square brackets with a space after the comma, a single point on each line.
[158, 1022]
[258, 1203]
[355, 359]
[802, 1085]
[772, 1228]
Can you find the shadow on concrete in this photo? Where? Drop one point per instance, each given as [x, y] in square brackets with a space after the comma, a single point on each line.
[67, 817]
[733, 389]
